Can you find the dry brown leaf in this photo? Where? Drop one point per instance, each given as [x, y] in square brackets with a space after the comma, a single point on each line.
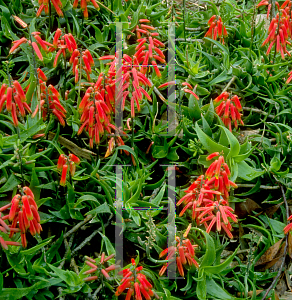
[244, 209]
[72, 147]
[270, 210]
[269, 254]
[250, 293]
[290, 245]
[276, 262]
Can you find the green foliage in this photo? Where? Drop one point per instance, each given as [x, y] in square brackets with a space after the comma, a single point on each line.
[127, 191]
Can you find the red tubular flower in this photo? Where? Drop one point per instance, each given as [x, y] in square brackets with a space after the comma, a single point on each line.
[289, 226]
[37, 51]
[9, 99]
[90, 278]
[216, 29]
[61, 161]
[19, 90]
[3, 243]
[99, 267]
[262, 3]
[74, 158]
[192, 93]
[14, 115]
[28, 211]
[64, 175]
[185, 251]
[228, 110]
[20, 22]
[23, 212]
[214, 210]
[211, 156]
[52, 95]
[137, 291]
[17, 44]
[129, 294]
[140, 284]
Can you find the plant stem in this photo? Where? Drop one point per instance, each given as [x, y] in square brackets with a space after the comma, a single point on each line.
[256, 110]
[132, 137]
[229, 84]
[265, 187]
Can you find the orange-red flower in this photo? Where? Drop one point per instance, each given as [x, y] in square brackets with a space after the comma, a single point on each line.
[216, 29]
[20, 22]
[132, 83]
[35, 45]
[228, 110]
[148, 50]
[136, 282]
[190, 90]
[44, 5]
[209, 195]
[217, 212]
[280, 30]
[289, 226]
[15, 101]
[63, 163]
[83, 5]
[99, 267]
[184, 252]
[61, 43]
[50, 101]
[24, 214]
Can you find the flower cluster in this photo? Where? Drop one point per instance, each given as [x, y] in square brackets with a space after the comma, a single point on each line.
[76, 62]
[67, 41]
[15, 99]
[111, 145]
[83, 5]
[5, 229]
[95, 113]
[209, 195]
[44, 5]
[24, 213]
[184, 252]
[217, 212]
[39, 41]
[99, 267]
[188, 88]
[286, 5]
[63, 163]
[130, 78]
[136, 282]
[228, 110]
[216, 29]
[279, 30]
[147, 47]
[50, 102]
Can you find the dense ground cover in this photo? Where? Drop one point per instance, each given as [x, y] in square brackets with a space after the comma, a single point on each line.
[145, 149]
